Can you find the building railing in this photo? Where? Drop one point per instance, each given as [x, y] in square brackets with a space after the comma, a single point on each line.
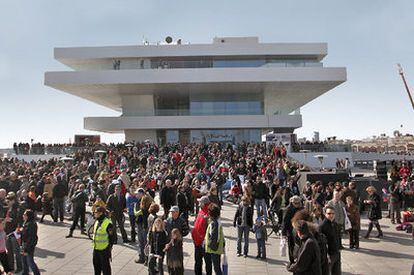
[51, 150]
[197, 112]
[119, 64]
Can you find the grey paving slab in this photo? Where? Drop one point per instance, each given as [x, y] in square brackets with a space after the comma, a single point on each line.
[394, 254]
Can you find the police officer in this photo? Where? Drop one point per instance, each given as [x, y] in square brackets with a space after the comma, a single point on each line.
[103, 239]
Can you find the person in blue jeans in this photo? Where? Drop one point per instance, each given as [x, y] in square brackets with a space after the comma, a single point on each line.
[29, 242]
[261, 237]
[243, 219]
[261, 194]
[141, 213]
[131, 199]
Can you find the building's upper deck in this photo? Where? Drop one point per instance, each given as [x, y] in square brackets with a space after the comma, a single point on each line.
[223, 52]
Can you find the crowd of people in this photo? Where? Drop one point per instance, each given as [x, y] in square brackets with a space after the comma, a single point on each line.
[187, 183]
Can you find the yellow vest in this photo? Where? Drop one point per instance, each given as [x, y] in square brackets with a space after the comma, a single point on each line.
[220, 249]
[100, 235]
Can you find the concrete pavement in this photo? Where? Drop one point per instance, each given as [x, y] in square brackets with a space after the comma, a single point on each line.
[394, 254]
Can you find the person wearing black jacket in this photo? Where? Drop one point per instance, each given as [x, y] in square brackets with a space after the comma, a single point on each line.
[220, 180]
[116, 205]
[374, 212]
[12, 222]
[29, 242]
[309, 259]
[244, 221]
[157, 240]
[287, 228]
[79, 200]
[261, 195]
[59, 193]
[175, 221]
[329, 229]
[3, 206]
[182, 202]
[167, 197]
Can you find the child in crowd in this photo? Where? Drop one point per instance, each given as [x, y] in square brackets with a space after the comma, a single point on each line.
[355, 219]
[235, 192]
[46, 206]
[3, 252]
[175, 255]
[98, 203]
[261, 237]
[157, 242]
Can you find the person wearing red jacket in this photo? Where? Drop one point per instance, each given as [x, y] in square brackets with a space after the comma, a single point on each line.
[404, 171]
[198, 234]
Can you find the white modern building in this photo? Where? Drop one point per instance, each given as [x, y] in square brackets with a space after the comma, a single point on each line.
[232, 90]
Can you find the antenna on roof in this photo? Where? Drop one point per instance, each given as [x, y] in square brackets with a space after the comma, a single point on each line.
[145, 40]
[168, 39]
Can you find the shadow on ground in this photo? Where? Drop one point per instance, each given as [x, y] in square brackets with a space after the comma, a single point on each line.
[385, 254]
[44, 253]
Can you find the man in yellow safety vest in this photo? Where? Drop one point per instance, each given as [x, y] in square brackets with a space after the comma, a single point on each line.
[103, 239]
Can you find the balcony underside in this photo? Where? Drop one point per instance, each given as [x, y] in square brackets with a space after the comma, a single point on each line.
[294, 86]
[119, 124]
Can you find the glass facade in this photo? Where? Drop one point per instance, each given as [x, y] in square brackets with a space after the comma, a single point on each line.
[239, 63]
[233, 63]
[209, 104]
[198, 108]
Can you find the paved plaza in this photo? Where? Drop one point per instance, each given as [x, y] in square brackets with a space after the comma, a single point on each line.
[55, 254]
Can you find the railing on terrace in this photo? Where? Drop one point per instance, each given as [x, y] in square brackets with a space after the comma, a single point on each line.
[51, 150]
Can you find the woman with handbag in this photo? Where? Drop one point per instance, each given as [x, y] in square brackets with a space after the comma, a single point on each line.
[374, 213]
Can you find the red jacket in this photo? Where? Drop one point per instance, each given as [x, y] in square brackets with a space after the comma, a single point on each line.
[200, 226]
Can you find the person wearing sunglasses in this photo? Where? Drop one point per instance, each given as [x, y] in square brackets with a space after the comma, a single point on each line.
[329, 228]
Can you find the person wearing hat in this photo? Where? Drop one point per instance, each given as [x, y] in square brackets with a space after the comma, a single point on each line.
[198, 235]
[175, 221]
[287, 228]
[103, 239]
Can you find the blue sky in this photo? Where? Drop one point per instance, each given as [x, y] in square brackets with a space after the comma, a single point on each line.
[367, 37]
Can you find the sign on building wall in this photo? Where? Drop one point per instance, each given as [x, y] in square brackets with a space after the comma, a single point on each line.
[87, 139]
[280, 138]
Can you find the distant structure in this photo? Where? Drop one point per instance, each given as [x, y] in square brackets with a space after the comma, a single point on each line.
[384, 144]
[233, 90]
[315, 137]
